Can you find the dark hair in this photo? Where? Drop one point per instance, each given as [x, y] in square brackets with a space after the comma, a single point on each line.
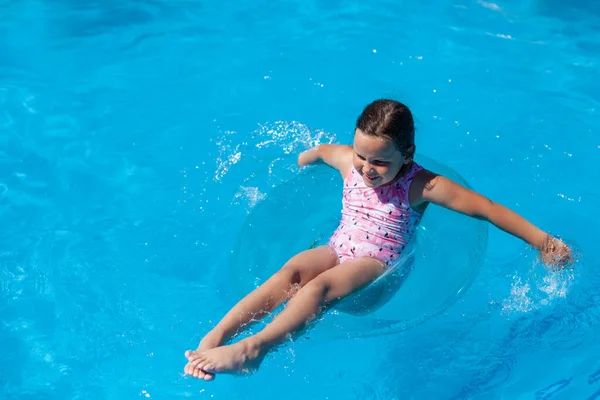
[392, 120]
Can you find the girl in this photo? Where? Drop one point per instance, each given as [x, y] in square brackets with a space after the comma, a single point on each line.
[384, 197]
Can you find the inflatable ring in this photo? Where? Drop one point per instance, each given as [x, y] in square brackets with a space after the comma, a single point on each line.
[441, 263]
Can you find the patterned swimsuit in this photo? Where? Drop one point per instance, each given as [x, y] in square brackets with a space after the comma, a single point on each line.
[376, 222]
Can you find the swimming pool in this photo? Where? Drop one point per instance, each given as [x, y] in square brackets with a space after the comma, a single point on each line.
[135, 138]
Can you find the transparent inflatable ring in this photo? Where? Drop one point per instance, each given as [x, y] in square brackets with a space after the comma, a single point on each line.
[441, 263]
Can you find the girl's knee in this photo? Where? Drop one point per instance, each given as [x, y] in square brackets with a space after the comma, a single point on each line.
[319, 286]
[299, 273]
[309, 264]
[292, 273]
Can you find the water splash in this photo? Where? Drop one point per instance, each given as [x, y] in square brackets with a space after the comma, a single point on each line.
[229, 155]
[302, 137]
[539, 289]
[249, 196]
[271, 140]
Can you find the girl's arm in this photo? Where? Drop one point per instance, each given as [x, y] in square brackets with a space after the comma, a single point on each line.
[439, 190]
[335, 155]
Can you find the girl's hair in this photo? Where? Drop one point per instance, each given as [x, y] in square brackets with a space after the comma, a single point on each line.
[392, 120]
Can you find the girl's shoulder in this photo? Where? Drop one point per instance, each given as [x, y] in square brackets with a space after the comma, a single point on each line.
[424, 177]
[423, 180]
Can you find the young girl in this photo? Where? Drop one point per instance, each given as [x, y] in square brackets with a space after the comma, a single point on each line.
[384, 197]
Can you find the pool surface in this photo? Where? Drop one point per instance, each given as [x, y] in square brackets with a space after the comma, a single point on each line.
[137, 136]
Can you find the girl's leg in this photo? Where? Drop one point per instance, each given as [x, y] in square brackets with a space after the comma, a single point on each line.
[331, 285]
[298, 271]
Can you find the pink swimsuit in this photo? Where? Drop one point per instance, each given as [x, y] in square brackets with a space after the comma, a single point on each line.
[376, 222]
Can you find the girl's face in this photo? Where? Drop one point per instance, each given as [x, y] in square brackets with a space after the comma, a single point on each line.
[376, 159]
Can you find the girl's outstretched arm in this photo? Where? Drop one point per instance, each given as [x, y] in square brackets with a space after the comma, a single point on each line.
[335, 155]
[436, 189]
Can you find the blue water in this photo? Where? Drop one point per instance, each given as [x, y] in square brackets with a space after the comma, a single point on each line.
[137, 136]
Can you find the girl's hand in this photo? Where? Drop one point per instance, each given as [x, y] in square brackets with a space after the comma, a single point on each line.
[335, 155]
[556, 253]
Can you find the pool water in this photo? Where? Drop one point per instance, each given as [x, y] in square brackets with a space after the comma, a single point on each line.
[137, 136]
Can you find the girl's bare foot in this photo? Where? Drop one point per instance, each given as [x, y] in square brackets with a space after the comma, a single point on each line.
[244, 356]
[210, 341]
